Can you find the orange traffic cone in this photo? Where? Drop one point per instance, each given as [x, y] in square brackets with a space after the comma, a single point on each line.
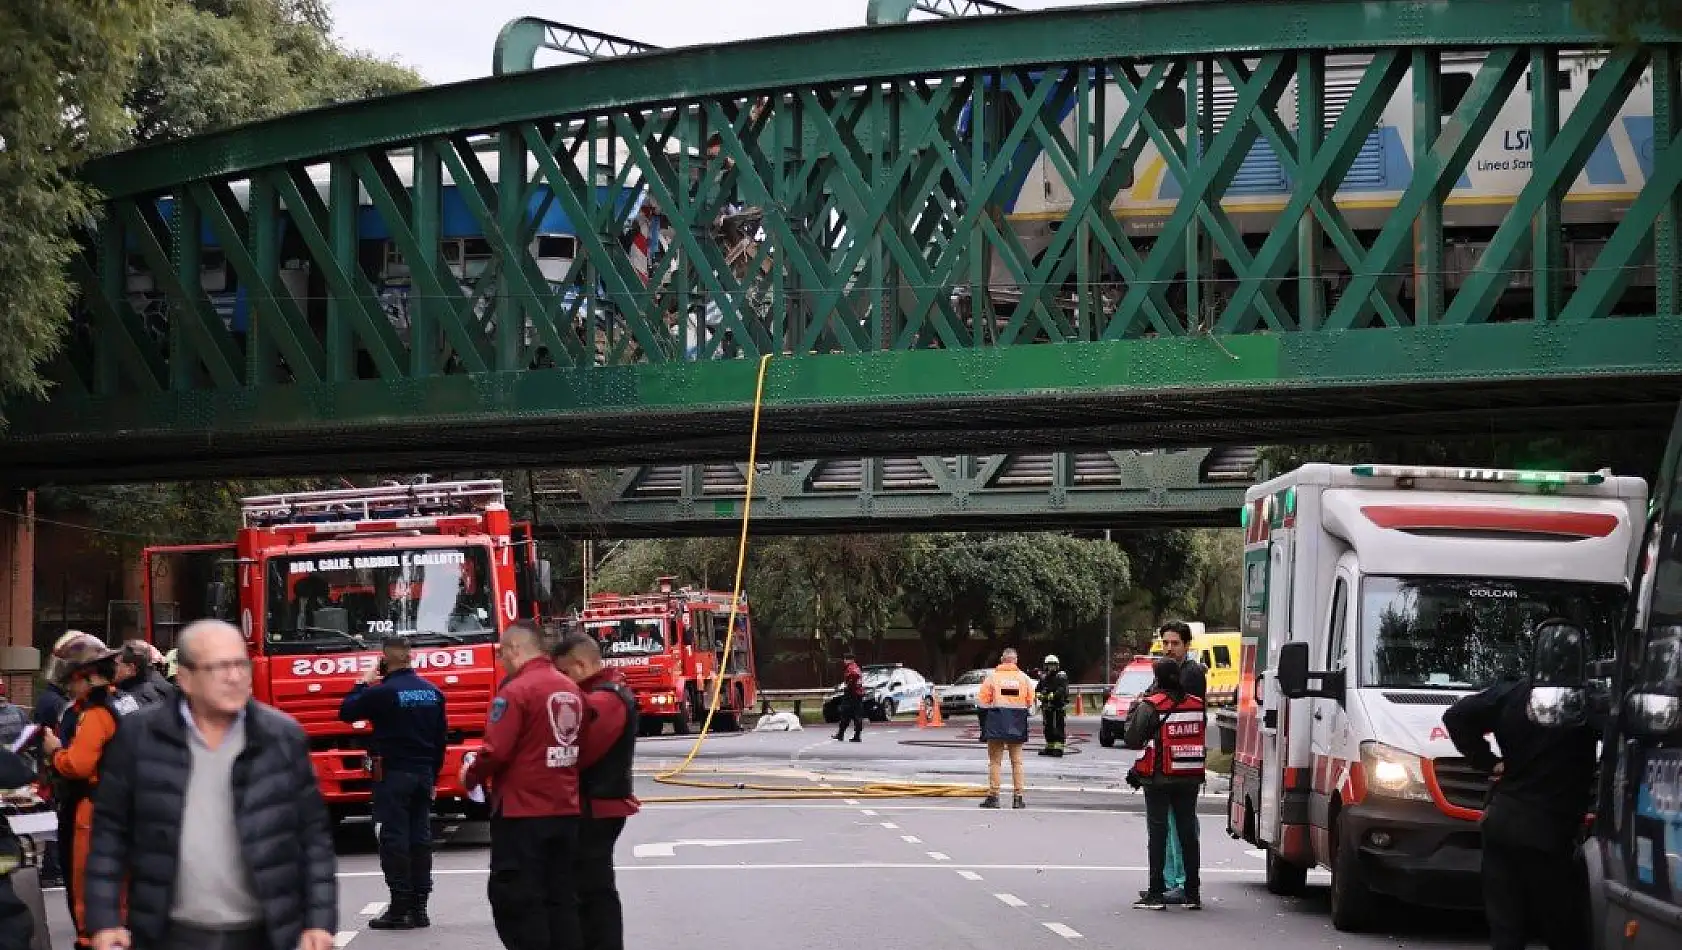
[934, 713]
[1077, 704]
[922, 716]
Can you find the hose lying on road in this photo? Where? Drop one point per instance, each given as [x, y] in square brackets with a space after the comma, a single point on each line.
[754, 790]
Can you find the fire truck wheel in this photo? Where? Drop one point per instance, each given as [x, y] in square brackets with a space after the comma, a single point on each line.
[1284, 878]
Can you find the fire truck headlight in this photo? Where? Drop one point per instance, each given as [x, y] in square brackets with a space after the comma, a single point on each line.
[1393, 773]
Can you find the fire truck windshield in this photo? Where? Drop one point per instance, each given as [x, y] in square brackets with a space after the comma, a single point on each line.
[352, 600]
[629, 636]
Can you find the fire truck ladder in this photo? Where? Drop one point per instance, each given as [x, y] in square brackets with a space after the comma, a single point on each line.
[382, 502]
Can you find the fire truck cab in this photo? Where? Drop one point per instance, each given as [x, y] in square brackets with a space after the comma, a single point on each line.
[670, 645]
[320, 579]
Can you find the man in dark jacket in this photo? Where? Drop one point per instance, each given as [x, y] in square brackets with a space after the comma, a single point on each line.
[410, 724]
[851, 707]
[17, 924]
[1534, 881]
[607, 751]
[227, 781]
[137, 677]
[530, 759]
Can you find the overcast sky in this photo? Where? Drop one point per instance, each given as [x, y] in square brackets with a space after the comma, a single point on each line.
[451, 40]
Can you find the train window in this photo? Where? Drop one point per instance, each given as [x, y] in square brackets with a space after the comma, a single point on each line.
[452, 252]
[555, 247]
[475, 248]
[211, 258]
[1454, 88]
[1562, 79]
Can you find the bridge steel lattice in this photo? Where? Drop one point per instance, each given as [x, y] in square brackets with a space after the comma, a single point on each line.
[1188, 223]
[1195, 488]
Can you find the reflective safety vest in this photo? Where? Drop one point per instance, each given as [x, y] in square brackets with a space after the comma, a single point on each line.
[1181, 739]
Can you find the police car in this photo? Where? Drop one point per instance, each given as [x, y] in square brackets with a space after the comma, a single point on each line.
[889, 689]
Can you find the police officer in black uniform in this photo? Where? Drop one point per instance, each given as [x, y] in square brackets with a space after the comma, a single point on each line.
[1534, 881]
[409, 721]
[1053, 695]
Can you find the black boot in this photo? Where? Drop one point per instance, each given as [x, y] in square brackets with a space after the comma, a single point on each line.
[399, 914]
[420, 872]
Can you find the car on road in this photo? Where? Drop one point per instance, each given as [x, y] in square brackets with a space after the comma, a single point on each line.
[889, 689]
[1129, 686]
[960, 696]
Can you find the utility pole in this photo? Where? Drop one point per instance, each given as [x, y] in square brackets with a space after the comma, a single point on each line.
[1109, 649]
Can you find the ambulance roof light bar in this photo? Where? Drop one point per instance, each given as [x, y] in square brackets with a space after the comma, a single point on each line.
[341, 505]
[1514, 476]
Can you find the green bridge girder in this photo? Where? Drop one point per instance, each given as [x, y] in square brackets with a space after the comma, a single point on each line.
[1097, 260]
[1130, 489]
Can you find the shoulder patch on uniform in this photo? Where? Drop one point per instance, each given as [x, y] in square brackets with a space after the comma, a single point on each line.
[498, 707]
[125, 705]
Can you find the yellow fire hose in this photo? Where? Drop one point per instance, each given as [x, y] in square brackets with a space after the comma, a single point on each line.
[754, 790]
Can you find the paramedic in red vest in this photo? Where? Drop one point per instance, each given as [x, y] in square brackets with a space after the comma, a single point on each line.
[1170, 729]
[606, 749]
[1006, 695]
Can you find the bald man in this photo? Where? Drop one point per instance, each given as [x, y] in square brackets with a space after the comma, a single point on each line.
[530, 760]
[263, 875]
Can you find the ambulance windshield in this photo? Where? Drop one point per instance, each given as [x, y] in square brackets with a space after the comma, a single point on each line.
[1466, 633]
[629, 636]
[351, 600]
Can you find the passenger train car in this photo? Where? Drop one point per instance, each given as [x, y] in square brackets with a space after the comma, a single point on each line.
[1036, 198]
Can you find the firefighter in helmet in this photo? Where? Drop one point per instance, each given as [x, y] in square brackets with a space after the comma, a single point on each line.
[86, 669]
[1053, 695]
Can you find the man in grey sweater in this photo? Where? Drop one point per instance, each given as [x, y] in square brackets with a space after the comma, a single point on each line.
[208, 810]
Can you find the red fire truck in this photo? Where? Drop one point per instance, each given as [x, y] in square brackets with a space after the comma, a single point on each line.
[316, 580]
[670, 643]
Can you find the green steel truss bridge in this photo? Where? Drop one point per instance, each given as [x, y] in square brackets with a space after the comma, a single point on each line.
[1099, 228]
[1168, 488]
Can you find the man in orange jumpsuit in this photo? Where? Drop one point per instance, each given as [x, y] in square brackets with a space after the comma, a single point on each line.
[86, 668]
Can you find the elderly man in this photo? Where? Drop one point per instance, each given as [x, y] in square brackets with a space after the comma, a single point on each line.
[227, 781]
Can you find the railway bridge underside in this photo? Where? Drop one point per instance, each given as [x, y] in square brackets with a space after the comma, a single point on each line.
[1100, 228]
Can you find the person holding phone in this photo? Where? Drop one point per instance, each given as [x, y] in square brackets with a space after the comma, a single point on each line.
[409, 720]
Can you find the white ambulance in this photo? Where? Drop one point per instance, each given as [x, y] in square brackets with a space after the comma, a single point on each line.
[1404, 589]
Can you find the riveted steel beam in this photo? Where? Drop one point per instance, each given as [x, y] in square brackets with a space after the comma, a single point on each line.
[1306, 217]
[519, 41]
[1176, 488]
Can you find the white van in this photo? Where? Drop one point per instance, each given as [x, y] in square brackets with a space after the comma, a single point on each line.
[1405, 588]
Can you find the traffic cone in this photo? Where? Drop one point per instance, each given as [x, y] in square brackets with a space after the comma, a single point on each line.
[1077, 704]
[934, 713]
[922, 716]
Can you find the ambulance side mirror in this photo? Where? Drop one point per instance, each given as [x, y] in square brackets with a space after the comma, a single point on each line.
[1292, 676]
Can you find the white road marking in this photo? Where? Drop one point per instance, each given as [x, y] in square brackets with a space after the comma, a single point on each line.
[939, 856]
[373, 909]
[1012, 900]
[1257, 853]
[868, 811]
[667, 849]
[1254, 873]
[889, 825]
[910, 839]
[343, 937]
[1063, 930]
[851, 801]
[969, 875]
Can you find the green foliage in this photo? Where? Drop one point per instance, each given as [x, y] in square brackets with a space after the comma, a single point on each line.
[1165, 563]
[132, 516]
[66, 65]
[218, 63]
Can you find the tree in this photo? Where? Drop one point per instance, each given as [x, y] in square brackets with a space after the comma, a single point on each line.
[1009, 586]
[1214, 596]
[67, 65]
[1165, 564]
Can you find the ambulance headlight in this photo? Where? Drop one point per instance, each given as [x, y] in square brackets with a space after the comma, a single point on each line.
[1392, 773]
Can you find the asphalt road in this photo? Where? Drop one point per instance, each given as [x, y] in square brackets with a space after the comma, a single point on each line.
[937, 874]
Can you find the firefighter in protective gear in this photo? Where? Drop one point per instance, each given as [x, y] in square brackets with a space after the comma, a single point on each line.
[87, 668]
[1005, 696]
[1169, 728]
[1053, 696]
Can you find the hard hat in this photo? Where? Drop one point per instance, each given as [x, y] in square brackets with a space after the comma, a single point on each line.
[73, 653]
[53, 668]
[1051, 660]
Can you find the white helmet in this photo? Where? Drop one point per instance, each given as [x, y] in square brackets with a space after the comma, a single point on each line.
[1052, 660]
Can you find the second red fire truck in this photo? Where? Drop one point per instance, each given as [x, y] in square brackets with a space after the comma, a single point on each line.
[670, 644]
[317, 580]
